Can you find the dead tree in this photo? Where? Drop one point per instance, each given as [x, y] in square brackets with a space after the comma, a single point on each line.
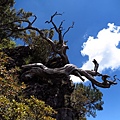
[68, 68]
[61, 50]
[38, 69]
[59, 76]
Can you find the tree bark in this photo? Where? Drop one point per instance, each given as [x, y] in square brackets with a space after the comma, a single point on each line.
[38, 69]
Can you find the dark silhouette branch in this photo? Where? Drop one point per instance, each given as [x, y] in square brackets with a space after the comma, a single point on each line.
[61, 50]
[38, 69]
[68, 29]
[16, 28]
[57, 29]
[64, 47]
[60, 26]
[115, 78]
[96, 65]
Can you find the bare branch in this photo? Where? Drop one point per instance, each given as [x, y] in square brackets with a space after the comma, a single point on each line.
[53, 17]
[60, 49]
[96, 65]
[57, 29]
[68, 69]
[16, 28]
[20, 20]
[35, 18]
[68, 29]
[60, 26]
[51, 21]
[115, 78]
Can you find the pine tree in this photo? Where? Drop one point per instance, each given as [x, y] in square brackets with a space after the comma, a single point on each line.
[21, 94]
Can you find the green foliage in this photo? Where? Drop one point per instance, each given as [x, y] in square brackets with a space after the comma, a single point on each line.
[10, 19]
[5, 43]
[29, 109]
[5, 3]
[42, 50]
[10, 89]
[86, 100]
[8, 79]
[13, 105]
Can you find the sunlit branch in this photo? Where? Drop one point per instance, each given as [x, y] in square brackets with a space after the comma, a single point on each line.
[69, 69]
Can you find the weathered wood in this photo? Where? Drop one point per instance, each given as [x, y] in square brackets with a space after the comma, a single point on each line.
[38, 69]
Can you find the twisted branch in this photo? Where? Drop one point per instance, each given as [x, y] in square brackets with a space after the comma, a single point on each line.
[58, 50]
[69, 69]
[68, 29]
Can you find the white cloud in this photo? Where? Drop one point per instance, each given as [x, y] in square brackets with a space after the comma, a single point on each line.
[75, 79]
[103, 48]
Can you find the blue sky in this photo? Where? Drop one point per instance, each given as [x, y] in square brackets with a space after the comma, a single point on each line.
[96, 34]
